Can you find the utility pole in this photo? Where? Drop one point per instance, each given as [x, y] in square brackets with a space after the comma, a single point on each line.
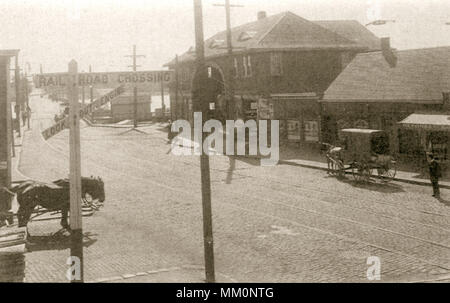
[134, 66]
[76, 248]
[83, 94]
[201, 102]
[230, 74]
[163, 106]
[174, 105]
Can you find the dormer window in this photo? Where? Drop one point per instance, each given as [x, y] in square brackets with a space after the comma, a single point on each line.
[216, 43]
[244, 36]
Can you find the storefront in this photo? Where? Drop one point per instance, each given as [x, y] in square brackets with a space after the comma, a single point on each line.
[427, 132]
[299, 116]
[419, 134]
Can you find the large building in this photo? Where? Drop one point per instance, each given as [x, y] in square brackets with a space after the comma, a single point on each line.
[280, 66]
[380, 89]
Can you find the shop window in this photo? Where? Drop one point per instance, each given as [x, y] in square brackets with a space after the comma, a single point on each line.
[311, 131]
[276, 67]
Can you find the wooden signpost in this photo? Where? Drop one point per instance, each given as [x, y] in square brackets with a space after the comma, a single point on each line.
[76, 248]
[73, 122]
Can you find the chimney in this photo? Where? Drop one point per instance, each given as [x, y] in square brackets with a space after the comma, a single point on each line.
[446, 101]
[387, 52]
[261, 15]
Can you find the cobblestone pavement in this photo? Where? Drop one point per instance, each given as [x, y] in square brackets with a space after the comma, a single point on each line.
[271, 224]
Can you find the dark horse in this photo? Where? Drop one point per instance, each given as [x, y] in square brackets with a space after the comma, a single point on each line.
[53, 196]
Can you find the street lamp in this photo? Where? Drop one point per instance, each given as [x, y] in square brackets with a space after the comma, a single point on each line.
[380, 22]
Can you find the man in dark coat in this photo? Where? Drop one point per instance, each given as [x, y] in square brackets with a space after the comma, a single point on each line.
[435, 174]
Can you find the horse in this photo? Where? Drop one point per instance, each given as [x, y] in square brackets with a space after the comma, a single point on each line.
[332, 154]
[53, 196]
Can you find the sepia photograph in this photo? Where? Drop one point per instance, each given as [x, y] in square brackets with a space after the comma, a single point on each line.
[225, 141]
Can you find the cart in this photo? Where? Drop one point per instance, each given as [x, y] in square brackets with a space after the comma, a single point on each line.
[363, 151]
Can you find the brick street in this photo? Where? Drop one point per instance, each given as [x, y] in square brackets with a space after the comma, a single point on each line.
[271, 224]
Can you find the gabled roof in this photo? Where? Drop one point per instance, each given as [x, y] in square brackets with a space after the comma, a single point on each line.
[281, 31]
[354, 31]
[420, 76]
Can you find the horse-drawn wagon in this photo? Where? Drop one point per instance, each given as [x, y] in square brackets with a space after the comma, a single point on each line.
[362, 151]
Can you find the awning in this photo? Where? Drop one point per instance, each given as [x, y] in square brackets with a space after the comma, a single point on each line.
[433, 122]
[295, 96]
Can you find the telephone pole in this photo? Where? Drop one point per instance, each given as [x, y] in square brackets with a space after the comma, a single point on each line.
[230, 87]
[201, 102]
[134, 66]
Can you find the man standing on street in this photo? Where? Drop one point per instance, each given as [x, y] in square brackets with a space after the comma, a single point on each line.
[435, 174]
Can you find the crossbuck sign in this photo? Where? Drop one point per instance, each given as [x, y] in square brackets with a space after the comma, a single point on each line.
[86, 110]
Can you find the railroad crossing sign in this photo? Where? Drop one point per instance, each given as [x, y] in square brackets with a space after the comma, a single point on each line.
[86, 110]
[144, 80]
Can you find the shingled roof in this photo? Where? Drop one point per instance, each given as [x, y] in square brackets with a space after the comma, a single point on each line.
[354, 31]
[281, 31]
[419, 76]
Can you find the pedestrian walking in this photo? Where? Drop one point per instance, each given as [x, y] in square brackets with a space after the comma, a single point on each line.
[24, 117]
[435, 174]
[169, 132]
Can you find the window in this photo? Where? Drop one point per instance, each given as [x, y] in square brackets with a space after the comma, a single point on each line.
[216, 43]
[184, 74]
[247, 66]
[276, 66]
[209, 71]
[244, 63]
[244, 36]
[236, 68]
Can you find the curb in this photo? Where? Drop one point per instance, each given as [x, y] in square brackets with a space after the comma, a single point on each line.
[415, 182]
[88, 122]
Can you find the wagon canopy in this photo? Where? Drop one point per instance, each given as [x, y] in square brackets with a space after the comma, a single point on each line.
[361, 144]
[432, 122]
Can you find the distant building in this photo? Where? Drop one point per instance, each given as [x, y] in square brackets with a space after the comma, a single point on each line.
[379, 89]
[281, 66]
[122, 108]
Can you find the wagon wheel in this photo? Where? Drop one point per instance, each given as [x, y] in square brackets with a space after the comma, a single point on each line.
[387, 173]
[361, 171]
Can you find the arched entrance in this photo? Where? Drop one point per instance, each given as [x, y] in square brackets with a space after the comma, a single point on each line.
[214, 90]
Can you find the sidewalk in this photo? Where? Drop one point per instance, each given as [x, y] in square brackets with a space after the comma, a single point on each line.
[311, 158]
[118, 125]
[296, 158]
